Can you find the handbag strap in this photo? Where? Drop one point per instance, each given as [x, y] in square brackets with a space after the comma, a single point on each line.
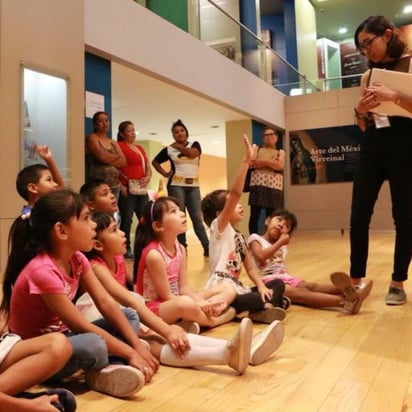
[136, 149]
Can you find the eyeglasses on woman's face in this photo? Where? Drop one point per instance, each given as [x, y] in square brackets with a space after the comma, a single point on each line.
[367, 44]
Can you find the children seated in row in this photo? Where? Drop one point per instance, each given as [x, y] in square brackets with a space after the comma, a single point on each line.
[25, 363]
[228, 251]
[269, 252]
[175, 347]
[41, 280]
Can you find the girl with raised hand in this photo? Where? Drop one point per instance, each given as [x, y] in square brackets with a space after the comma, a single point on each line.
[43, 277]
[229, 252]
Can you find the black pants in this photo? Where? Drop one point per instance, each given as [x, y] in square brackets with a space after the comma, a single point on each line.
[386, 153]
[254, 217]
[253, 302]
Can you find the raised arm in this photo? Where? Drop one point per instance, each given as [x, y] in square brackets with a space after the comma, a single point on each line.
[45, 153]
[235, 192]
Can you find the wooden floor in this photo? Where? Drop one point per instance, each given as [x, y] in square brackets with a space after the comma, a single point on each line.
[329, 361]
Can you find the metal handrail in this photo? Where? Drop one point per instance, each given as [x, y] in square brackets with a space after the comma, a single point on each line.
[263, 44]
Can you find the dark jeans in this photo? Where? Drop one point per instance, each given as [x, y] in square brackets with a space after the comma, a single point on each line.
[385, 154]
[189, 198]
[254, 217]
[127, 206]
[90, 350]
[253, 302]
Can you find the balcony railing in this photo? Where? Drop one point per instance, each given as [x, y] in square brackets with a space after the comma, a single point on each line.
[217, 24]
[220, 29]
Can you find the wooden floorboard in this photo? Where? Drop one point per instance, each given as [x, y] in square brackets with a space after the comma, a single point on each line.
[329, 361]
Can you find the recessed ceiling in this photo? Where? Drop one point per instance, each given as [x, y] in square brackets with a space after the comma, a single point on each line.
[153, 105]
[334, 14]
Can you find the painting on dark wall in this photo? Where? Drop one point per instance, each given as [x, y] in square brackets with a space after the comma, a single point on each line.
[326, 155]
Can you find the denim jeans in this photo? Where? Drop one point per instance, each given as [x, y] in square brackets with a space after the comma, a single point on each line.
[127, 206]
[385, 154]
[189, 198]
[90, 350]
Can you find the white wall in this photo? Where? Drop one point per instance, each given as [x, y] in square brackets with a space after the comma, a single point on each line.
[50, 35]
[306, 39]
[150, 43]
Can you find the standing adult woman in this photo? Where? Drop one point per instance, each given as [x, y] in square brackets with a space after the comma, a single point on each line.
[135, 177]
[266, 180]
[385, 153]
[103, 155]
[183, 183]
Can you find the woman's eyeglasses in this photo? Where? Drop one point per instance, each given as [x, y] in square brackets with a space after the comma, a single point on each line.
[367, 44]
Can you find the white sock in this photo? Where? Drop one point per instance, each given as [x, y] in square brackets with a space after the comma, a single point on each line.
[203, 351]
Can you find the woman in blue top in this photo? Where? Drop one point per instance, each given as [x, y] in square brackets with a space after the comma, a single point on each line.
[183, 178]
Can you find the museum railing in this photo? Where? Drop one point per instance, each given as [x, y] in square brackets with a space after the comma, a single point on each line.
[220, 28]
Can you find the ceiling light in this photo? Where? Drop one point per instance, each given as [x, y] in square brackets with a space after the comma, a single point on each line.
[407, 9]
[153, 134]
[343, 30]
[215, 126]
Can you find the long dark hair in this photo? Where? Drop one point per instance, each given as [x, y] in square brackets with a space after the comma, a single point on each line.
[103, 220]
[29, 236]
[121, 129]
[378, 25]
[96, 115]
[153, 212]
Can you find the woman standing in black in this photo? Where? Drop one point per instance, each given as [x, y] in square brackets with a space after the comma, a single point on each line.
[385, 153]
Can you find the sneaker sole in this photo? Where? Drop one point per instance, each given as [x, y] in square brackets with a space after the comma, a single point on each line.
[119, 382]
[245, 332]
[189, 326]
[266, 343]
[342, 281]
[226, 316]
[363, 294]
[395, 302]
[268, 315]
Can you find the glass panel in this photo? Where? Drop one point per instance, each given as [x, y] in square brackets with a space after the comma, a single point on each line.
[219, 27]
[44, 117]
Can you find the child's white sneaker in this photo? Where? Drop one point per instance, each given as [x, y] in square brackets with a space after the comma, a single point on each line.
[239, 345]
[266, 342]
[121, 381]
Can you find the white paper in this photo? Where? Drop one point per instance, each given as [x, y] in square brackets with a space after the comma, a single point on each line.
[94, 103]
[397, 81]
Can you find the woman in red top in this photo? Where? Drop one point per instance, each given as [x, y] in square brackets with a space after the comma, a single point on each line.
[138, 171]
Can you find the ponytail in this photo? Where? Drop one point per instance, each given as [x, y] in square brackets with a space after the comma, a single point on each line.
[153, 212]
[21, 249]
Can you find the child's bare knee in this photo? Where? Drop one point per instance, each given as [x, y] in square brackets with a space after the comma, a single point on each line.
[58, 345]
[186, 304]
